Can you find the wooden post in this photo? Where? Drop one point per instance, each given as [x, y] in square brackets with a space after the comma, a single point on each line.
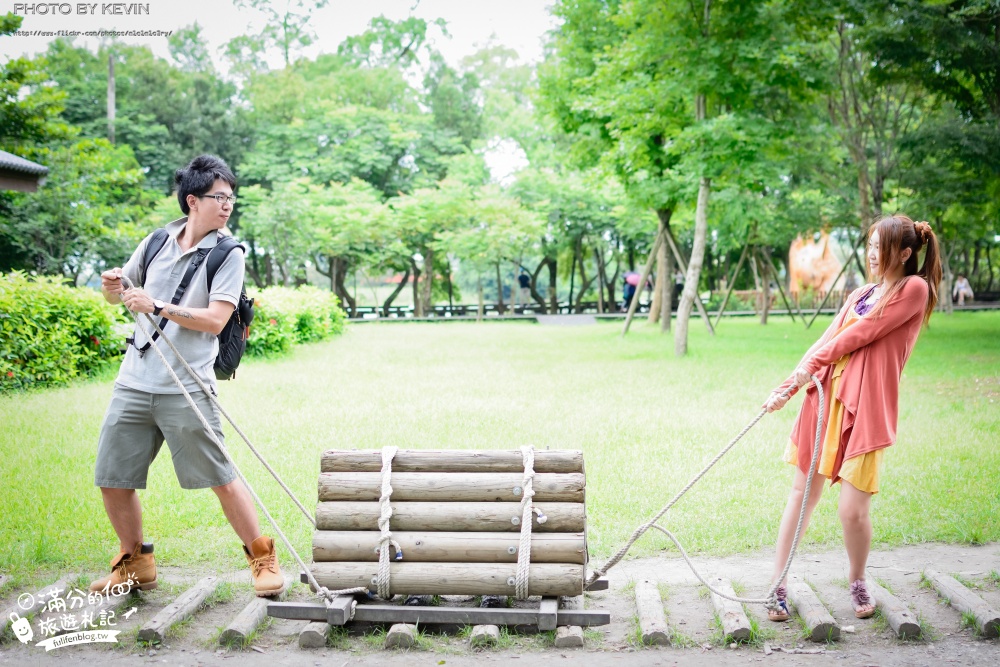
[484, 635]
[39, 600]
[187, 604]
[401, 635]
[961, 598]
[735, 623]
[732, 283]
[414, 516]
[900, 618]
[642, 282]
[570, 636]
[652, 620]
[241, 627]
[314, 634]
[818, 621]
[697, 301]
[781, 290]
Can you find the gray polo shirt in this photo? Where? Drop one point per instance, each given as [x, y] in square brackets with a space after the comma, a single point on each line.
[163, 275]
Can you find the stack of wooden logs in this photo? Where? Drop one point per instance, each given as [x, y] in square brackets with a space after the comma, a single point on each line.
[456, 516]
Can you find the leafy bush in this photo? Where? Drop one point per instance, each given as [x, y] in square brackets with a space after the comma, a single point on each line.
[285, 317]
[51, 333]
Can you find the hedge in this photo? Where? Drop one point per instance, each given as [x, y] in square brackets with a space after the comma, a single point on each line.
[286, 316]
[51, 333]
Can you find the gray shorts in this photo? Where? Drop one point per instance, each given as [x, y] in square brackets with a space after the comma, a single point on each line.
[135, 427]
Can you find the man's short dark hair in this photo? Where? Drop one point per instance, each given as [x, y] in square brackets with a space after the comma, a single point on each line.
[198, 177]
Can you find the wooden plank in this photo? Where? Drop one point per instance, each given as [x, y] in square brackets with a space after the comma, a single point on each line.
[186, 605]
[249, 619]
[967, 602]
[735, 624]
[36, 602]
[428, 460]
[454, 579]
[818, 621]
[474, 517]
[652, 619]
[314, 635]
[548, 613]
[382, 613]
[902, 621]
[449, 547]
[451, 486]
[107, 606]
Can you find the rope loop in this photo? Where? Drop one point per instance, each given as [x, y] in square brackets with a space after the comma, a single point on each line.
[771, 601]
[385, 539]
[521, 577]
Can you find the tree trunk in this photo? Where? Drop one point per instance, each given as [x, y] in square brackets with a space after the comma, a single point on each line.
[501, 308]
[667, 295]
[418, 311]
[572, 282]
[539, 299]
[342, 293]
[479, 291]
[600, 281]
[395, 293]
[765, 279]
[694, 266]
[426, 301]
[553, 295]
[585, 282]
[661, 265]
[944, 296]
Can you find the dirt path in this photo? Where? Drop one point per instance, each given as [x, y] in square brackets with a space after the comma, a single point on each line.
[689, 614]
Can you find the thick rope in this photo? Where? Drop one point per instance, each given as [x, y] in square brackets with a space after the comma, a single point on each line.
[521, 577]
[385, 539]
[771, 599]
[322, 591]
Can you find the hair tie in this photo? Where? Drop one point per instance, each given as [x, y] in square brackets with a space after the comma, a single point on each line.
[924, 231]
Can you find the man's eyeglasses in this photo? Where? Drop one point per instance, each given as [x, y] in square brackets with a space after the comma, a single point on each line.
[222, 199]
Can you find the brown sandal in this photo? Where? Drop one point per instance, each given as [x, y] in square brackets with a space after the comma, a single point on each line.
[860, 598]
[780, 613]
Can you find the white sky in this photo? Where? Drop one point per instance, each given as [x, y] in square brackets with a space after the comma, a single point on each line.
[518, 24]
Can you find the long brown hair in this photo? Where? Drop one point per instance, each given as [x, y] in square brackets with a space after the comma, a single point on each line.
[895, 233]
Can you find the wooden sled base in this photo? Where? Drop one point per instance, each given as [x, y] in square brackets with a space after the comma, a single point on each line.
[548, 615]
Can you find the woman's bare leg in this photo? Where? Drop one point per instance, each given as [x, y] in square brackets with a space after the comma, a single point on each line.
[857, 523]
[786, 531]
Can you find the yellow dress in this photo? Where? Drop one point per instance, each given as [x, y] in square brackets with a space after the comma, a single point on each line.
[861, 471]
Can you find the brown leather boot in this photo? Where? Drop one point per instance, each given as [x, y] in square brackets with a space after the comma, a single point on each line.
[267, 579]
[139, 566]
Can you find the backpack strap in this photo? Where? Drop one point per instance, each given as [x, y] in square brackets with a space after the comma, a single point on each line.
[157, 240]
[196, 261]
[217, 256]
[225, 244]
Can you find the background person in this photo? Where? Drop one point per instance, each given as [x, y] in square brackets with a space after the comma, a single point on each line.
[961, 290]
[859, 360]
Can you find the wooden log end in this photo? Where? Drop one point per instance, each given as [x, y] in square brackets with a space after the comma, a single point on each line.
[652, 620]
[314, 635]
[569, 636]
[484, 635]
[401, 635]
[825, 632]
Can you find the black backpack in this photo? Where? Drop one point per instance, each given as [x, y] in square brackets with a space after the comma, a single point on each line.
[233, 338]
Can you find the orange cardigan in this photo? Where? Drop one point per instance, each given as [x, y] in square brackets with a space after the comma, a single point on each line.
[869, 385]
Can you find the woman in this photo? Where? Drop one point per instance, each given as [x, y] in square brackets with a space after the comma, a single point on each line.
[859, 361]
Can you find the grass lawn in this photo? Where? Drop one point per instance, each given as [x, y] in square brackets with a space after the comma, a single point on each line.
[645, 420]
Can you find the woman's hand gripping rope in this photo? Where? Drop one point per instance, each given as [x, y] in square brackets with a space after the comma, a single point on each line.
[775, 402]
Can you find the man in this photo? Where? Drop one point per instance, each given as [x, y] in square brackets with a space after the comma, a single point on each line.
[147, 407]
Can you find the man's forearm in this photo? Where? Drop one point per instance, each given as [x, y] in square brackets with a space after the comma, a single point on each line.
[208, 320]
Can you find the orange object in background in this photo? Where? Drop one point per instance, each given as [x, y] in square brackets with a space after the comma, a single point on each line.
[812, 265]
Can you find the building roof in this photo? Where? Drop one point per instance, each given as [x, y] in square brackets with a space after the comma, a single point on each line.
[15, 163]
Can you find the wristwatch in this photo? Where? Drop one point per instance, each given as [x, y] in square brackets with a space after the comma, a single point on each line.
[157, 307]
